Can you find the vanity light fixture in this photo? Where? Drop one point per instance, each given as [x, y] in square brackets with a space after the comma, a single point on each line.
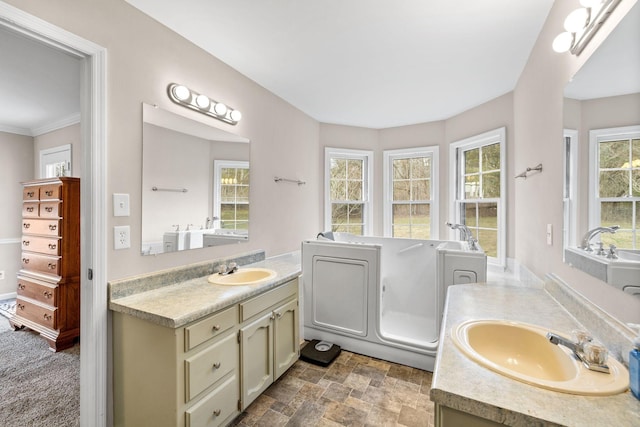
[186, 97]
[582, 24]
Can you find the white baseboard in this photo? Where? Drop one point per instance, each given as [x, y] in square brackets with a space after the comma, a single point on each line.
[10, 295]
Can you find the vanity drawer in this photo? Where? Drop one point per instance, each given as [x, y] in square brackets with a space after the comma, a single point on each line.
[49, 209]
[46, 227]
[50, 192]
[217, 407]
[35, 312]
[262, 302]
[30, 210]
[45, 245]
[210, 327]
[31, 193]
[209, 365]
[42, 263]
[39, 291]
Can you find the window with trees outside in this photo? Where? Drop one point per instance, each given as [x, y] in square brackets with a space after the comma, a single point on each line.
[478, 189]
[615, 184]
[347, 190]
[411, 193]
[231, 198]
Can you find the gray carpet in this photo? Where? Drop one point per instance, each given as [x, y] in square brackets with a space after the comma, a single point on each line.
[37, 386]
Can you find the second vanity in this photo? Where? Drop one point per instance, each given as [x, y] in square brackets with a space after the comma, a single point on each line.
[190, 353]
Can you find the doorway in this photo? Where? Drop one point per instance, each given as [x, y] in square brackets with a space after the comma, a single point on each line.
[93, 310]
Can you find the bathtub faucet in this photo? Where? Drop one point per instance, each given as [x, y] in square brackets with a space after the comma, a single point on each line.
[586, 239]
[466, 234]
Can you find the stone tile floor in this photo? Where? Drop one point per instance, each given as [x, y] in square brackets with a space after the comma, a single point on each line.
[354, 390]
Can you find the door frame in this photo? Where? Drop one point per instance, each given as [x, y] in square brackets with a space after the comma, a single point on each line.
[94, 395]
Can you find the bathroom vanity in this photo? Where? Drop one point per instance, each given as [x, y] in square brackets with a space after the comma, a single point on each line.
[466, 393]
[193, 353]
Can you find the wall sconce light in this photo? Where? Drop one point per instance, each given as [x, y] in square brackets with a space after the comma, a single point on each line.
[582, 24]
[186, 97]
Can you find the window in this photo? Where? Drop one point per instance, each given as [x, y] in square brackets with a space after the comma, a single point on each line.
[614, 182]
[231, 194]
[411, 193]
[347, 190]
[570, 189]
[478, 190]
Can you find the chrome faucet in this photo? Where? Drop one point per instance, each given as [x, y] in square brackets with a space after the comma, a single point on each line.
[586, 240]
[466, 234]
[592, 360]
[225, 269]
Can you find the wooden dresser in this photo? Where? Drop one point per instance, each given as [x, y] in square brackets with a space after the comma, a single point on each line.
[49, 282]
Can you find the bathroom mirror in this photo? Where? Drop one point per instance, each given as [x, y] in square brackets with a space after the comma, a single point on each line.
[195, 184]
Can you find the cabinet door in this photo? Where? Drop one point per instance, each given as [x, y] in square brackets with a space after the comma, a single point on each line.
[286, 337]
[256, 353]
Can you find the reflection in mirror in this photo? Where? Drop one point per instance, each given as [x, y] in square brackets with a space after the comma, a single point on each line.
[195, 184]
[602, 160]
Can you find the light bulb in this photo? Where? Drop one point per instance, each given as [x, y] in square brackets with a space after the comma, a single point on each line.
[181, 92]
[576, 20]
[236, 115]
[202, 101]
[220, 109]
[562, 42]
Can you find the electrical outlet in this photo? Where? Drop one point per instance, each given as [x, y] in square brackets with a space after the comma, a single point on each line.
[2, 275]
[121, 237]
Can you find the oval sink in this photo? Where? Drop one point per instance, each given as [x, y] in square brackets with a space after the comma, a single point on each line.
[522, 352]
[242, 277]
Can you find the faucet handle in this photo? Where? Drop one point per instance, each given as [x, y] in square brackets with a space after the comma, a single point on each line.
[601, 250]
[222, 268]
[612, 252]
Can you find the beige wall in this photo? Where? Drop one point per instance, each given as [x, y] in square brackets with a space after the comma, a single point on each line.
[538, 119]
[16, 165]
[56, 138]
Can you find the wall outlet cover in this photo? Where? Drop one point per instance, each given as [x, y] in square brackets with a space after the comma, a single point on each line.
[121, 237]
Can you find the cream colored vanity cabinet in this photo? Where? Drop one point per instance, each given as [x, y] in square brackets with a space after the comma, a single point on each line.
[176, 377]
[269, 339]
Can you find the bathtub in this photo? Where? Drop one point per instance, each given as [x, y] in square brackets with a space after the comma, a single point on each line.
[383, 297]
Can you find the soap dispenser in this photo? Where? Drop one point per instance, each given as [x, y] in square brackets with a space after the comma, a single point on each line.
[634, 368]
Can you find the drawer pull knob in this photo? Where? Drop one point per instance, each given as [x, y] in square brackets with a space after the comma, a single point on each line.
[216, 328]
[51, 266]
[25, 260]
[48, 192]
[47, 294]
[48, 209]
[217, 412]
[46, 316]
[53, 227]
[30, 193]
[216, 365]
[21, 306]
[30, 209]
[278, 315]
[25, 243]
[26, 225]
[52, 246]
[21, 286]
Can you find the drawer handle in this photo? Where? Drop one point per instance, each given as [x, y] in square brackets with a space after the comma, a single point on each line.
[53, 227]
[272, 317]
[51, 266]
[25, 243]
[30, 193]
[30, 209]
[26, 225]
[215, 328]
[21, 306]
[21, 286]
[47, 294]
[217, 412]
[216, 365]
[48, 209]
[25, 260]
[52, 246]
[278, 315]
[48, 192]
[46, 316]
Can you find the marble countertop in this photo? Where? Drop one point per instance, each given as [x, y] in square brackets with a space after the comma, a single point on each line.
[177, 304]
[461, 384]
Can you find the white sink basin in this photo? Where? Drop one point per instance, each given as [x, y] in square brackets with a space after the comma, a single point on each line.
[243, 277]
[522, 352]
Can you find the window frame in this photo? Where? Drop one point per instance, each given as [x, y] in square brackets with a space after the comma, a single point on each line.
[408, 153]
[595, 137]
[367, 190]
[456, 186]
[570, 193]
[218, 165]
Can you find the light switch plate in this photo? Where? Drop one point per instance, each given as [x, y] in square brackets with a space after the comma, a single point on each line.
[549, 234]
[120, 204]
[121, 237]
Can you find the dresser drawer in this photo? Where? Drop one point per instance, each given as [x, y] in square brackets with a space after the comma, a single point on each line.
[45, 227]
[262, 302]
[49, 209]
[209, 365]
[35, 312]
[217, 407]
[39, 291]
[41, 263]
[51, 192]
[31, 193]
[30, 210]
[210, 327]
[44, 245]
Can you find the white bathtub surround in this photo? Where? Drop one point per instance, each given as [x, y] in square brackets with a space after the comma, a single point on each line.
[465, 386]
[383, 297]
[514, 274]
